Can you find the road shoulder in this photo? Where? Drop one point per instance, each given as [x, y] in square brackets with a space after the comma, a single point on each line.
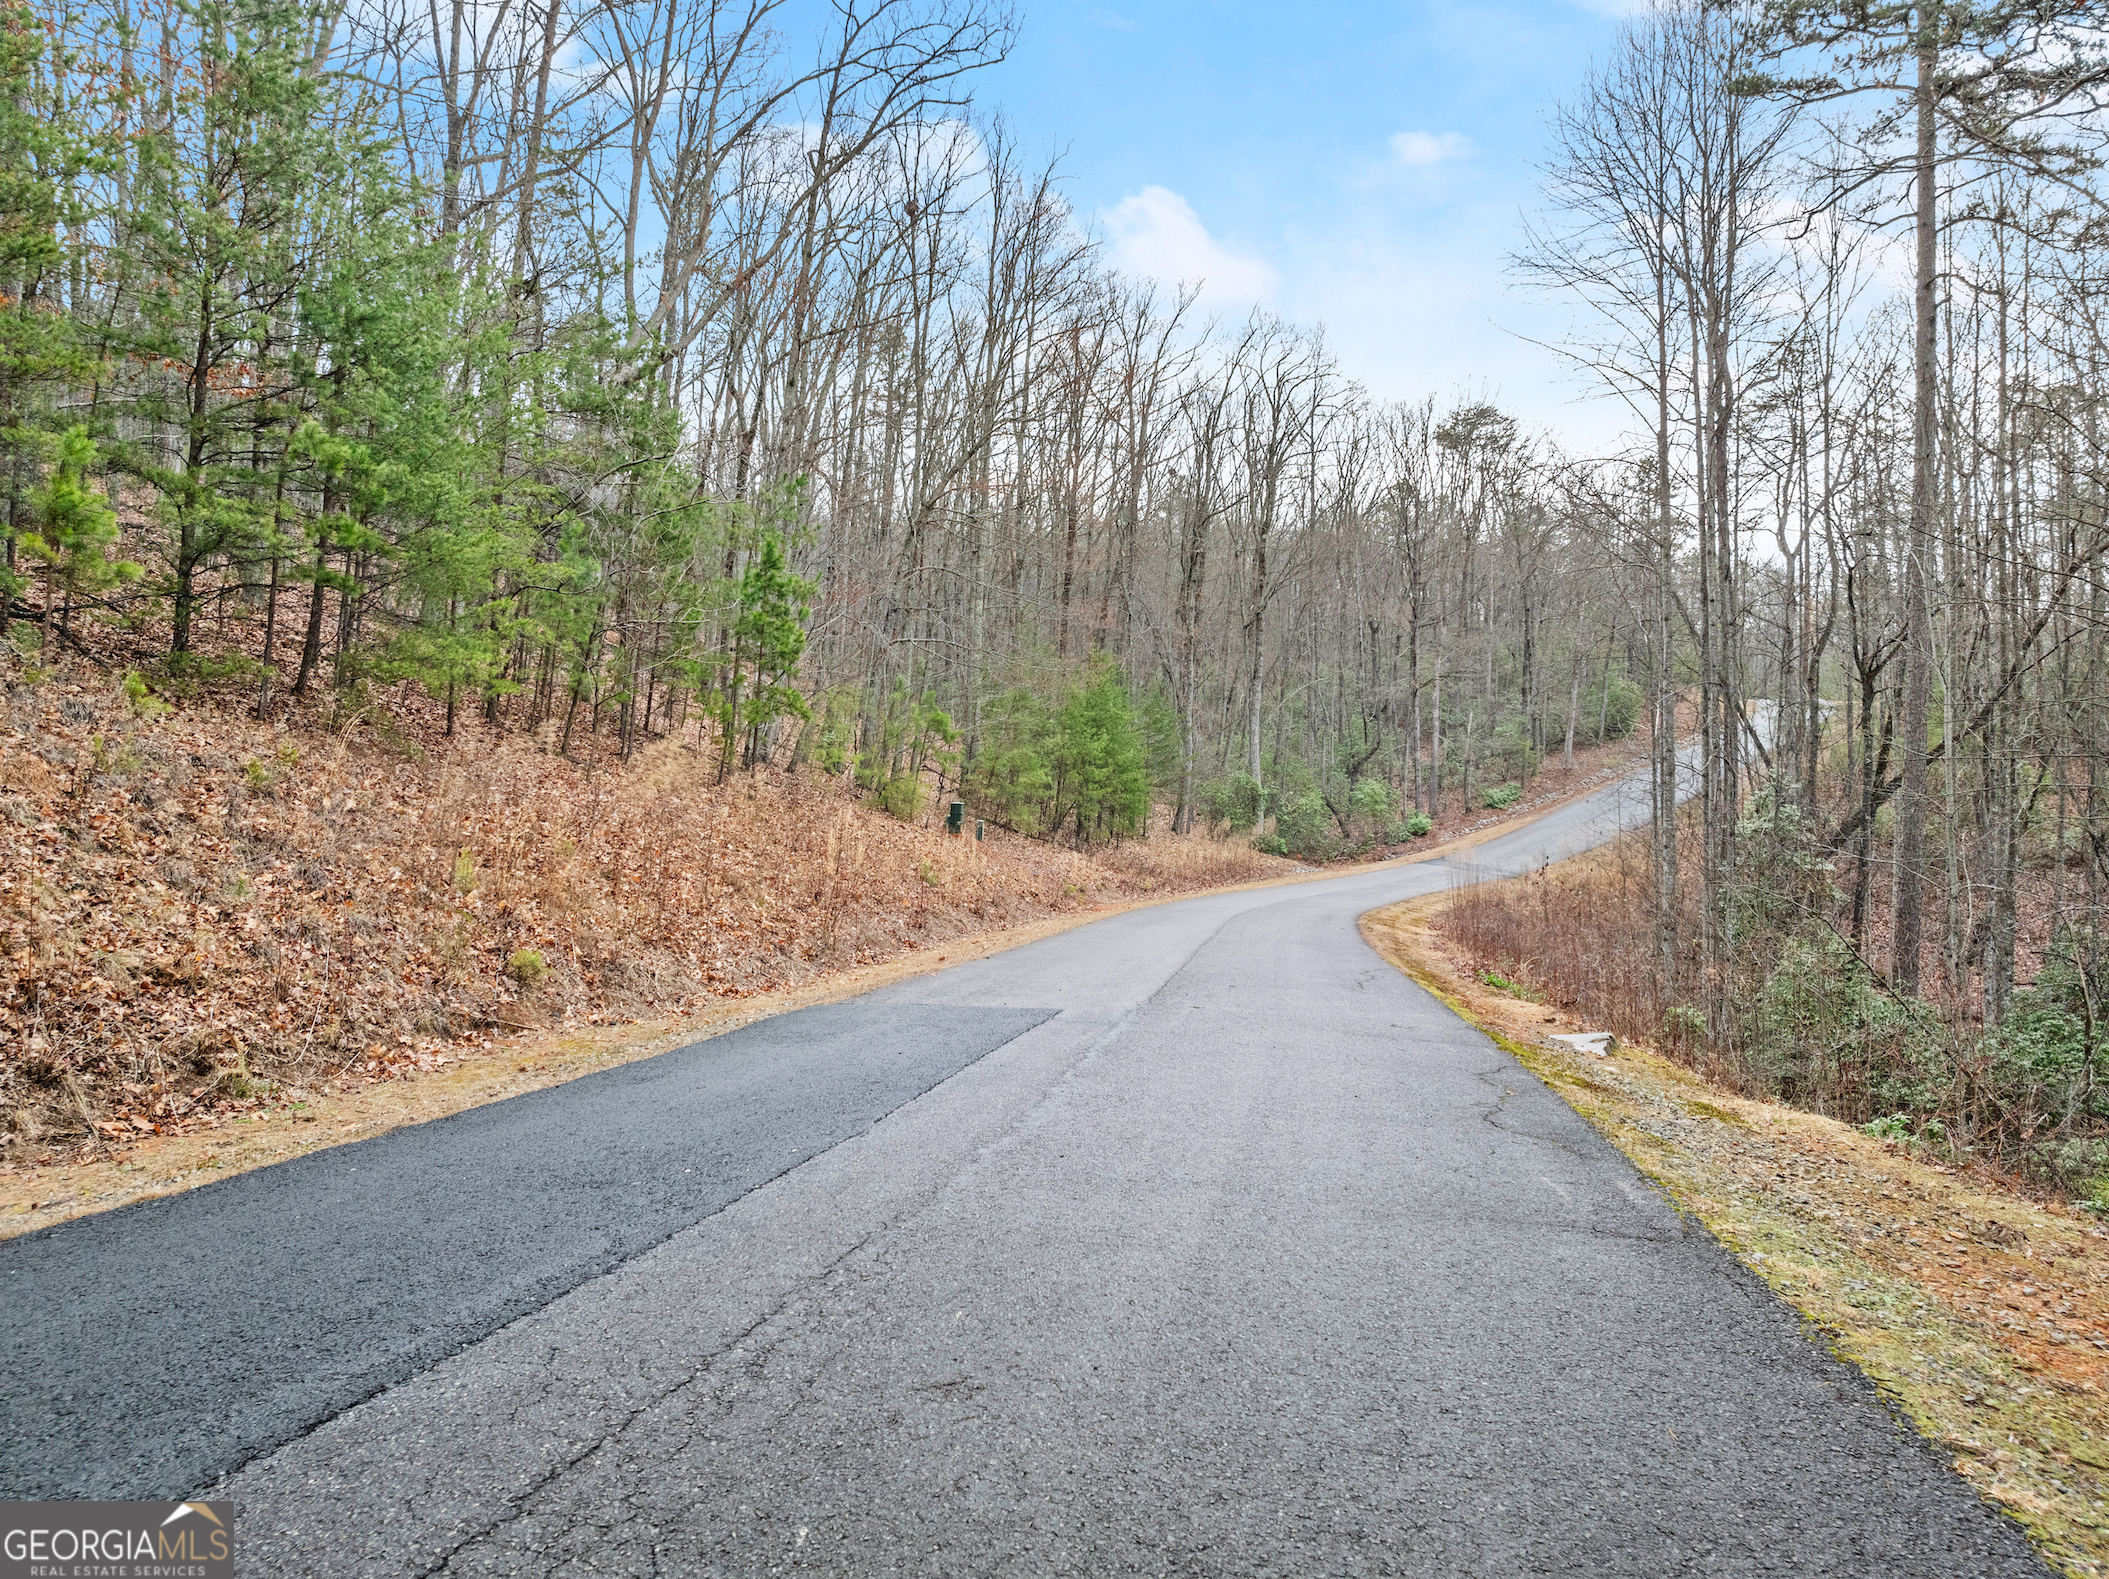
[1982, 1316]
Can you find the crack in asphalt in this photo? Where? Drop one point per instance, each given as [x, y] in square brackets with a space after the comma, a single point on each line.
[733, 1349]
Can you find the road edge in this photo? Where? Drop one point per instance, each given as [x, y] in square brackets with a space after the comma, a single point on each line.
[534, 1060]
[1941, 1376]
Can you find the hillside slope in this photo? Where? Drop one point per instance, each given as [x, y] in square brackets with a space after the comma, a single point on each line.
[199, 909]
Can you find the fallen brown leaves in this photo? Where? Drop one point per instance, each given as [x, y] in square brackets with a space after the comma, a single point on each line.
[200, 913]
[1982, 1314]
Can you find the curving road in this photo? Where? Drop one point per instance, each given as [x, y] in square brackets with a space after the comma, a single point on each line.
[1196, 1241]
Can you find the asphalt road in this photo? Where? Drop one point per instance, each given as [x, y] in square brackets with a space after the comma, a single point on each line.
[1195, 1241]
[253, 1309]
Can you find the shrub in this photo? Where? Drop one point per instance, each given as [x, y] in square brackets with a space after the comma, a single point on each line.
[188, 673]
[1418, 824]
[2048, 1053]
[2073, 1163]
[1820, 1031]
[1683, 1023]
[1302, 824]
[1232, 804]
[141, 695]
[1800, 1017]
[1501, 796]
[1374, 800]
[1616, 715]
[1511, 744]
[526, 967]
[830, 733]
[901, 796]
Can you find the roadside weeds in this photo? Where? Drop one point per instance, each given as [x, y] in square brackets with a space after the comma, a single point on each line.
[1982, 1316]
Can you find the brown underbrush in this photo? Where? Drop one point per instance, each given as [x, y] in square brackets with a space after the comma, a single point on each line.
[1794, 1010]
[197, 908]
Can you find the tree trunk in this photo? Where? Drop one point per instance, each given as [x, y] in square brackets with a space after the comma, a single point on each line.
[1908, 902]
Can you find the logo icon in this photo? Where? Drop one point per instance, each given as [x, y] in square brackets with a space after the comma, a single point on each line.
[116, 1540]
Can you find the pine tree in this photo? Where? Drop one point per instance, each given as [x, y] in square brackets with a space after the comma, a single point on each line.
[768, 639]
[1101, 776]
[219, 245]
[75, 528]
[41, 152]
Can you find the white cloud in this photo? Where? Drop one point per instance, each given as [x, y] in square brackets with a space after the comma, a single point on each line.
[1156, 232]
[1419, 149]
[1416, 302]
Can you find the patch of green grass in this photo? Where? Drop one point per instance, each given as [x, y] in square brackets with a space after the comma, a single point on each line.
[1720, 1115]
[140, 694]
[116, 758]
[1513, 989]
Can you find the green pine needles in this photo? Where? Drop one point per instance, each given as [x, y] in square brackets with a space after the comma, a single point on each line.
[757, 681]
[1068, 756]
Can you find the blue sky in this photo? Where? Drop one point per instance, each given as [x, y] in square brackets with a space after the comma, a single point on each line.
[1364, 165]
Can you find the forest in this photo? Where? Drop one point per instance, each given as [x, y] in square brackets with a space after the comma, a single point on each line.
[631, 370]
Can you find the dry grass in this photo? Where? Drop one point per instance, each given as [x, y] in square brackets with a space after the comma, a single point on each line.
[1798, 1012]
[1582, 935]
[199, 910]
[1171, 863]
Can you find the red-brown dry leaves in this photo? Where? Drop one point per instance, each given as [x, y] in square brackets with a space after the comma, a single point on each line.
[194, 903]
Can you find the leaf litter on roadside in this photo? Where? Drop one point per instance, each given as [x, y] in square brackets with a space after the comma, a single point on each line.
[201, 914]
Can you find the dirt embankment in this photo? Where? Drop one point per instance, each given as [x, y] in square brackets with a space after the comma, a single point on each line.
[206, 920]
[1983, 1314]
